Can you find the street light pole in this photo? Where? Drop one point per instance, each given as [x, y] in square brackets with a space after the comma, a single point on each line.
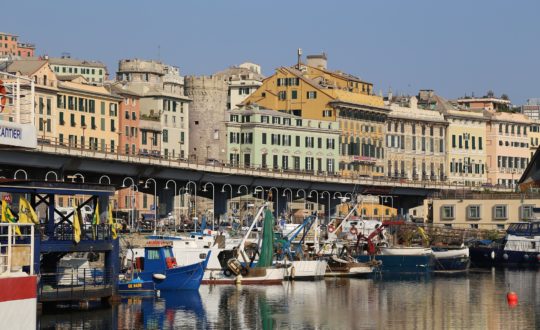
[328, 200]
[317, 200]
[175, 198]
[195, 201]
[298, 195]
[155, 201]
[132, 188]
[213, 201]
[284, 195]
[230, 200]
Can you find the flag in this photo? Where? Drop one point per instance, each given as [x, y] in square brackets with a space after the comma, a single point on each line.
[7, 216]
[111, 222]
[95, 220]
[26, 212]
[76, 224]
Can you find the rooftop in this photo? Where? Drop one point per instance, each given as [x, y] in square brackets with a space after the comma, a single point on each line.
[75, 62]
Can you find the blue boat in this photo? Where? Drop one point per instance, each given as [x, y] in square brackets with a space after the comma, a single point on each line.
[159, 266]
[402, 264]
[519, 248]
[137, 286]
[451, 259]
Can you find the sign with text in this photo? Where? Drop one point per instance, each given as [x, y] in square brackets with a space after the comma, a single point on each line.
[18, 135]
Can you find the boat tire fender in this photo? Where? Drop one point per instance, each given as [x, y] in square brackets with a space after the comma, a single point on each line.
[227, 272]
[331, 228]
[244, 271]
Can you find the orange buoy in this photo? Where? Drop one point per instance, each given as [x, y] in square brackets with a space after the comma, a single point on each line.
[512, 298]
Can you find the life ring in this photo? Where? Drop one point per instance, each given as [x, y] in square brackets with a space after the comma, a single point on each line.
[331, 228]
[3, 97]
[353, 231]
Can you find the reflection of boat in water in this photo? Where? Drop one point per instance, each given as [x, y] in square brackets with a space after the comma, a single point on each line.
[519, 248]
[173, 310]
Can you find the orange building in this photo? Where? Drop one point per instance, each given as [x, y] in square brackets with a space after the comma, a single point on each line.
[9, 45]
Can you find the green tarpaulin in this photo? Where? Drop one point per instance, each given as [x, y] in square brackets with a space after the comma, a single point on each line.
[267, 249]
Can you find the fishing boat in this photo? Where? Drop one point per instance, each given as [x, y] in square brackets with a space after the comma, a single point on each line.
[339, 267]
[406, 251]
[451, 259]
[159, 266]
[519, 248]
[294, 255]
[238, 264]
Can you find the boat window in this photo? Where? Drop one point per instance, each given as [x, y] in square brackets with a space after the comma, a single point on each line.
[535, 228]
[522, 228]
[167, 253]
[202, 256]
[152, 254]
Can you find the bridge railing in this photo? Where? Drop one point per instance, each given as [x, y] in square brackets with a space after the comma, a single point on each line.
[72, 284]
[95, 151]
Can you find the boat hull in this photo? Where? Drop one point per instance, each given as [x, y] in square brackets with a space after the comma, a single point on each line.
[403, 264]
[178, 278]
[406, 251]
[305, 270]
[147, 288]
[451, 259]
[18, 302]
[272, 276]
[489, 256]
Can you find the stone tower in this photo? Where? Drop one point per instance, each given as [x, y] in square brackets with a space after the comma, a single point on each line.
[207, 117]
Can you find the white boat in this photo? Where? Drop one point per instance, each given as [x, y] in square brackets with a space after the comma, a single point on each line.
[304, 269]
[445, 253]
[406, 251]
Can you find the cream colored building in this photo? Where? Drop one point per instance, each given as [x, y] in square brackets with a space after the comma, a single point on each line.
[483, 211]
[534, 136]
[415, 141]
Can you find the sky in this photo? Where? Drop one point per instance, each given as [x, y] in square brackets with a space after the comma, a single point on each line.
[456, 47]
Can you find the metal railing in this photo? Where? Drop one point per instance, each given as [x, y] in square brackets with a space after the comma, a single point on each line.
[16, 250]
[114, 153]
[75, 284]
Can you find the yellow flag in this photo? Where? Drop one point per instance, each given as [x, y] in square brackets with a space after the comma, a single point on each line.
[26, 212]
[7, 216]
[111, 222]
[76, 225]
[95, 220]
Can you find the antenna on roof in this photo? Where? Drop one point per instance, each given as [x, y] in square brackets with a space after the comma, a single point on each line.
[299, 58]
[65, 55]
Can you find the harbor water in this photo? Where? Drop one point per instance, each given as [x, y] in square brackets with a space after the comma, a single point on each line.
[476, 300]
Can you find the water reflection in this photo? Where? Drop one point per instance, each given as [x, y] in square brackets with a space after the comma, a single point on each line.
[475, 301]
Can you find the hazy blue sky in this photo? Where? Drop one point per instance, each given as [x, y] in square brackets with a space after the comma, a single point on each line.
[454, 47]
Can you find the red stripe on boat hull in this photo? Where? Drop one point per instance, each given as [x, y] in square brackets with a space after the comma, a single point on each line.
[17, 288]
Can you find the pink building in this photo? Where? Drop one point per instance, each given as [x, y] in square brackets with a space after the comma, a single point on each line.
[507, 147]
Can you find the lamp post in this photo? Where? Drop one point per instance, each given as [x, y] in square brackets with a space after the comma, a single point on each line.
[23, 171]
[317, 200]
[155, 201]
[175, 198]
[213, 201]
[230, 199]
[53, 172]
[261, 189]
[133, 187]
[105, 177]
[195, 201]
[240, 201]
[298, 195]
[284, 195]
[277, 199]
[83, 142]
[328, 200]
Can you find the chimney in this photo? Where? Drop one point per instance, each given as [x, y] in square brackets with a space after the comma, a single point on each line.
[317, 61]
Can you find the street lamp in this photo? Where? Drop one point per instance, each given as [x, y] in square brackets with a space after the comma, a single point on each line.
[175, 198]
[298, 195]
[337, 192]
[213, 201]
[277, 200]
[223, 191]
[104, 177]
[247, 189]
[284, 195]
[317, 200]
[23, 171]
[195, 200]
[53, 172]
[133, 188]
[328, 200]
[155, 201]
[257, 189]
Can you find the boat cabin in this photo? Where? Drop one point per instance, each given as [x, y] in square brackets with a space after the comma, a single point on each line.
[524, 229]
[158, 257]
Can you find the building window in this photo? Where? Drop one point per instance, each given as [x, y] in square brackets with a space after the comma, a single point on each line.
[500, 212]
[526, 212]
[165, 136]
[473, 212]
[282, 95]
[311, 95]
[294, 95]
[447, 212]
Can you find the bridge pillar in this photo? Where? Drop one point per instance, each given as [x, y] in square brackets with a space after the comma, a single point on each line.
[280, 203]
[220, 204]
[166, 202]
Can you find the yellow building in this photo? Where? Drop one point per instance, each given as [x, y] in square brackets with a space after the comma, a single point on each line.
[87, 115]
[312, 91]
[369, 209]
